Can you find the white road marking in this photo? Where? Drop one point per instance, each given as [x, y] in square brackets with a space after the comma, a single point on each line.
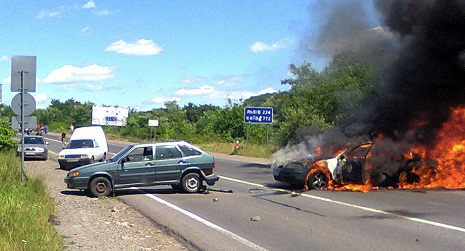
[203, 221]
[428, 222]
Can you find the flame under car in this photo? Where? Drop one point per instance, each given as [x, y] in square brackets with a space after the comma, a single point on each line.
[350, 166]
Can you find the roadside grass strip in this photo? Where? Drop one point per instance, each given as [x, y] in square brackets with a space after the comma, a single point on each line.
[25, 210]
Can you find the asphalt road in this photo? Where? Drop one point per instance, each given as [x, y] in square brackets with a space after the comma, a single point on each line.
[248, 210]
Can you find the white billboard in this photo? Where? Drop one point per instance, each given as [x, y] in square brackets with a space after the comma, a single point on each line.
[102, 115]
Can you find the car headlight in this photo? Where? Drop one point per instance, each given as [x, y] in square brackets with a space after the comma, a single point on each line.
[74, 174]
[85, 156]
[61, 156]
[39, 149]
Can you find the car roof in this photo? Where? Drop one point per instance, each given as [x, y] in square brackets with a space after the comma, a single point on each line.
[33, 136]
[162, 143]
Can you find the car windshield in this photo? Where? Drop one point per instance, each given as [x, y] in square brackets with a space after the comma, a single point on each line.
[360, 151]
[80, 143]
[34, 140]
[118, 155]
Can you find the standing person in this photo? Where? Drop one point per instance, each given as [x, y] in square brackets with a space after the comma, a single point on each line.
[63, 136]
[71, 127]
[46, 129]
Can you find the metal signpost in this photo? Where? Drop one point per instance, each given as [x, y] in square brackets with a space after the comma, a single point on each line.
[258, 115]
[153, 123]
[23, 80]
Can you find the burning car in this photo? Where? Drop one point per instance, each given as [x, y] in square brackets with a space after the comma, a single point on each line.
[351, 166]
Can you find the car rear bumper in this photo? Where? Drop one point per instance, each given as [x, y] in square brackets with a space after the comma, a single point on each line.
[211, 179]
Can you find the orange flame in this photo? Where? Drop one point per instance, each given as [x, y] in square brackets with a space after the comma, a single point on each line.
[448, 151]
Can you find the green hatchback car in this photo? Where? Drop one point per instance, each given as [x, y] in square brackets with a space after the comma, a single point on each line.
[179, 164]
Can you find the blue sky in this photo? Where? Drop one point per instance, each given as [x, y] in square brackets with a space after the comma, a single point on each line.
[142, 53]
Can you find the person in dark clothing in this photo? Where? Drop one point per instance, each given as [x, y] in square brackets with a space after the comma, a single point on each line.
[63, 136]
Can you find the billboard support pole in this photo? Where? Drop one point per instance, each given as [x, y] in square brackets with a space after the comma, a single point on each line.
[22, 127]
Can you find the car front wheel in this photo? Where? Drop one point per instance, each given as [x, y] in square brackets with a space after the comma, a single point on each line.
[100, 186]
[191, 183]
[318, 181]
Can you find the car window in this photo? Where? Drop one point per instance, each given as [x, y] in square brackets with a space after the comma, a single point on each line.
[80, 143]
[33, 140]
[167, 152]
[140, 154]
[119, 154]
[359, 152]
[189, 151]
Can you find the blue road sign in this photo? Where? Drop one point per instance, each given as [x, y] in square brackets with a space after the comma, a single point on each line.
[258, 115]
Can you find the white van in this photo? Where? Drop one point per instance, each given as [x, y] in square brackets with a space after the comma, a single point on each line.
[86, 145]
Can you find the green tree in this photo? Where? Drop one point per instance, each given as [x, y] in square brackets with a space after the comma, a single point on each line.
[7, 135]
[321, 99]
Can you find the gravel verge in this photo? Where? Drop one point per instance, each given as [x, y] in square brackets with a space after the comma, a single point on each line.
[98, 223]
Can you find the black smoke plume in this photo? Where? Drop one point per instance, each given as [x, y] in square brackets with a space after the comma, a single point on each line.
[418, 52]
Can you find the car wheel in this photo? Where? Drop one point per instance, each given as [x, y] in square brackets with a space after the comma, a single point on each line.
[191, 183]
[100, 186]
[318, 181]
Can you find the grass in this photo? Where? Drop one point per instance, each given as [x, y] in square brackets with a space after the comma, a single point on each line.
[24, 210]
[245, 149]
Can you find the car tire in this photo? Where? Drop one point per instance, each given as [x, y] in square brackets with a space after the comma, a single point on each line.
[191, 183]
[100, 186]
[318, 181]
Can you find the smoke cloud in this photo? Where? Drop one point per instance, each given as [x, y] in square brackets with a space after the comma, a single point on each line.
[418, 52]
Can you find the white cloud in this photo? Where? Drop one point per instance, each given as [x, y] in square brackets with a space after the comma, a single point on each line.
[209, 92]
[102, 12]
[3, 59]
[56, 13]
[7, 80]
[161, 101]
[72, 74]
[85, 30]
[93, 88]
[141, 47]
[232, 81]
[191, 80]
[203, 90]
[41, 100]
[89, 5]
[262, 47]
[242, 94]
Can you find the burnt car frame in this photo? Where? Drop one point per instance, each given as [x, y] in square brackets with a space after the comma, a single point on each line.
[345, 167]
